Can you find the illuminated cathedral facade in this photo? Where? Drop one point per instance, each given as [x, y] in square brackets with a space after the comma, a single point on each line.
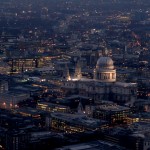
[103, 86]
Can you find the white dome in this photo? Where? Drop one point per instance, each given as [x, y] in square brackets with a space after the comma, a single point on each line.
[105, 63]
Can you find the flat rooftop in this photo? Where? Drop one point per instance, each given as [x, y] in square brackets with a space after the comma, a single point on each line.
[124, 84]
[112, 107]
[79, 119]
[51, 104]
[28, 110]
[95, 145]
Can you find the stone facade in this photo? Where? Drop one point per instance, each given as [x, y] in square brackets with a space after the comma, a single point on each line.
[104, 85]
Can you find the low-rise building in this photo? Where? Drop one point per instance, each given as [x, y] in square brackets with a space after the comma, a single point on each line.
[11, 99]
[113, 113]
[50, 107]
[71, 123]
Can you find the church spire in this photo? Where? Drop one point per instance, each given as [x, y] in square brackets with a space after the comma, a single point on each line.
[78, 73]
[66, 74]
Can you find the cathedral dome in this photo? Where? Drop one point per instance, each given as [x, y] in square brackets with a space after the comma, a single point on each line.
[105, 63]
[105, 70]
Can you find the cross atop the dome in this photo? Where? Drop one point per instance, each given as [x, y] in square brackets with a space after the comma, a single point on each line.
[105, 52]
